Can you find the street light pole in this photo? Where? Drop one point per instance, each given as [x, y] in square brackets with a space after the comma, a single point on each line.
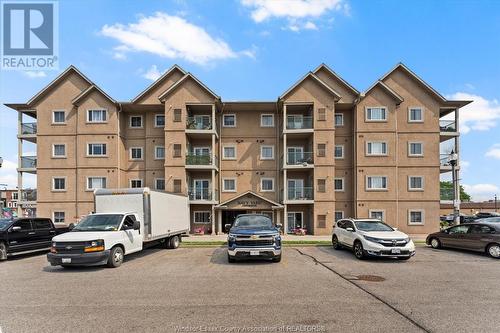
[495, 203]
[453, 158]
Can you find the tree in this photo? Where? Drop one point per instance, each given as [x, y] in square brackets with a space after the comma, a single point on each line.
[447, 191]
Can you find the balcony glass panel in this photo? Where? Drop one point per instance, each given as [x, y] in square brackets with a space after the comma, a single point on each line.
[200, 194]
[447, 126]
[446, 194]
[28, 128]
[28, 162]
[300, 193]
[296, 158]
[199, 123]
[299, 122]
[194, 159]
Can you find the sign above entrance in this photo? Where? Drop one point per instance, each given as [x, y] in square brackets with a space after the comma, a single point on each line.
[248, 203]
[249, 200]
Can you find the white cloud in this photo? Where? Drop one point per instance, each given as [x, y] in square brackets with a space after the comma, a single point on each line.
[294, 11]
[494, 151]
[481, 192]
[170, 37]
[34, 74]
[480, 115]
[152, 73]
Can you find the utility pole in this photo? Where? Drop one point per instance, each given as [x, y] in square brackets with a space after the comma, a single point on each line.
[495, 203]
[453, 158]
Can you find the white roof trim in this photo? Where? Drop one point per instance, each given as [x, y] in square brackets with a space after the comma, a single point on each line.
[152, 85]
[311, 74]
[325, 66]
[87, 91]
[387, 88]
[252, 193]
[185, 77]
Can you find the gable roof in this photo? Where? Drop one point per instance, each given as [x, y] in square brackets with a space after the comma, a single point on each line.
[87, 91]
[388, 89]
[252, 193]
[179, 82]
[338, 77]
[158, 81]
[317, 79]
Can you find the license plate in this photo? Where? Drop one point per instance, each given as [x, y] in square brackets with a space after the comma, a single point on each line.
[254, 253]
[396, 251]
[66, 260]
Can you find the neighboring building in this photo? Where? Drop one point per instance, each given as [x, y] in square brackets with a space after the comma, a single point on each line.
[471, 208]
[321, 152]
[12, 206]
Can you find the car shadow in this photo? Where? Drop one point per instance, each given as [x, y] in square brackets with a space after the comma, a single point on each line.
[14, 257]
[219, 257]
[461, 251]
[347, 254]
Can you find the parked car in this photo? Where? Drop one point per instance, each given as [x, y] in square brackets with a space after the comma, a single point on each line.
[483, 215]
[479, 237]
[253, 236]
[489, 220]
[26, 235]
[372, 237]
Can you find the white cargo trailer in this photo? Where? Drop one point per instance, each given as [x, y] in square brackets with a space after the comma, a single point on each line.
[123, 221]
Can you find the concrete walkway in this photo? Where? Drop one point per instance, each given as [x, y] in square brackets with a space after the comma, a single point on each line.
[307, 238]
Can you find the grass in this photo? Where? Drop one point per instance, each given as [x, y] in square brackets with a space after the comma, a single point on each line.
[286, 243]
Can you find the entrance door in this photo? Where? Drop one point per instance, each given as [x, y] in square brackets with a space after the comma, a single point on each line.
[295, 189]
[228, 216]
[295, 220]
[201, 189]
[295, 155]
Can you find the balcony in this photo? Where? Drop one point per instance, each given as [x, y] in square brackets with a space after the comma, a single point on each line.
[299, 122]
[447, 129]
[300, 159]
[444, 163]
[199, 123]
[194, 161]
[28, 132]
[28, 164]
[300, 194]
[203, 195]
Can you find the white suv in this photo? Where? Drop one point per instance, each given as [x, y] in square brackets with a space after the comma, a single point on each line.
[372, 237]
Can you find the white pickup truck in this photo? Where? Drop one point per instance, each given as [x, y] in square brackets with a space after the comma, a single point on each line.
[124, 220]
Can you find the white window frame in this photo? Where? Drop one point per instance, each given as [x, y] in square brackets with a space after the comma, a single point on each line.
[338, 211]
[335, 149]
[136, 159]
[54, 216]
[415, 188]
[203, 212]
[227, 115]
[96, 155]
[156, 153]
[224, 184]
[343, 184]
[421, 113]
[386, 188]
[54, 183]
[54, 150]
[224, 157]
[16, 196]
[156, 120]
[422, 213]
[267, 178]
[272, 150]
[376, 120]
[54, 122]
[94, 121]
[370, 211]
[266, 115]
[164, 184]
[421, 146]
[372, 154]
[335, 119]
[136, 179]
[135, 116]
[87, 188]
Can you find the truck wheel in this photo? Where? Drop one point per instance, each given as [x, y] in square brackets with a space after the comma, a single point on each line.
[230, 259]
[173, 242]
[277, 258]
[3, 251]
[115, 257]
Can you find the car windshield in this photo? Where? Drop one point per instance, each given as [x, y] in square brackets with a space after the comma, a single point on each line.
[5, 223]
[99, 222]
[372, 226]
[253, 222]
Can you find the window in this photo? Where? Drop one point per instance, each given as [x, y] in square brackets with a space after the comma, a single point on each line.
[229, 120]
[378, 214]
[415, 217]
[229, 185]
[159, 152]
[42, 224]
[480, 229]
[415, 183]
[460, 229]
[177, 185]
[201, 217]
[339, 119]
[59, 184]
[229, 152]
[136, 153]
[339, 151]
[321, 150]
[160, 184]
[59, 150]
[267, 184]
[267, 152]
[339, 215]
[15, 195]
[96, 149]
[97, 116]
[177, 115]
[376, 183]
[136, 183]
[321, 114]
[339, 184]
[321, 221]
[267, 120]
[376, 114]
[24, 224]
[160, 120]
[415, 115]
[136, 121]
[177, 150]
[95, 182]
[374, 148]
[415, 149]
[321, 185]
[59, 217]
[58, 117]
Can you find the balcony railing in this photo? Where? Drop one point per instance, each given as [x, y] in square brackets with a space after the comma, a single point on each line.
[298, 158]
[299, 122]
[300, 193]
[192, 159]
[28, 128]
[29, 195]
[28, 162]
[444, 160]
[196, 123]
[446, 194]
[202, 194]
[447, 126]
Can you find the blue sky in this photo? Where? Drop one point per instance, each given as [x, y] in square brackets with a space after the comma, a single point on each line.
[256, 49]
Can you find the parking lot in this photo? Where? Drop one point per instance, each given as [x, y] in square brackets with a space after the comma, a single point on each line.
[196, 290]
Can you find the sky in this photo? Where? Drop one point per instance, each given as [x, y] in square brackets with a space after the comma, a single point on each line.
[256, 49]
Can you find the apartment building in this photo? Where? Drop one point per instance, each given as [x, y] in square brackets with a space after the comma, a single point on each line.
[10, 204]
[320, 152]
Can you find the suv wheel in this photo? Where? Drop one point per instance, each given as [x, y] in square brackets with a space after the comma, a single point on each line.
[335, 243]
[359, 252]
[435, 243]
[115, 257]
[3, 251]
[494, 250]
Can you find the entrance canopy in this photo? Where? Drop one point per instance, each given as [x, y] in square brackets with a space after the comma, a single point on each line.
[249, 201]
